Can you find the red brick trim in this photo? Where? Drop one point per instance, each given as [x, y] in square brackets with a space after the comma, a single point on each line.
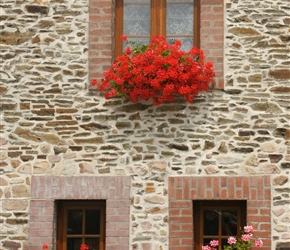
[101, 18]
[255, 190]
[212, 36]
[46, 189]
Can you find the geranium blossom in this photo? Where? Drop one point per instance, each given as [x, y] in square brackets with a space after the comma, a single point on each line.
[214, 243]
[84, 247]
[247, 237]
[248, 229]
[157, 71]
[45, 247]
[242, 243]
[232, 240]
[259, 243]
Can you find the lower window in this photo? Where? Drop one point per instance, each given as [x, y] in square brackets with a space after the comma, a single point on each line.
[217, 220]
[81, 222]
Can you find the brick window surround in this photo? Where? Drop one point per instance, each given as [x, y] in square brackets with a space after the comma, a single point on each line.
[256, 190]
[45, 190]
[101, 36]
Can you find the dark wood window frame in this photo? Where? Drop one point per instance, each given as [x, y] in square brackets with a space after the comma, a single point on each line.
[157, 22]
[64, 205]
[200, 206]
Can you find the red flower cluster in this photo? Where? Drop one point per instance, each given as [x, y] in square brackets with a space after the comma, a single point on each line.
[158, 71]
[84, 247]
[45, 247]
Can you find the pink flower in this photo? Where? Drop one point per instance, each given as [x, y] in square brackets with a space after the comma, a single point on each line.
[259, 243]
[232, 240]
[247, 237]
[206, 248]
[248, 229]
[214, 243]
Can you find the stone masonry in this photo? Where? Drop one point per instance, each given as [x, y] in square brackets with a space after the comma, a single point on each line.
[54, 124]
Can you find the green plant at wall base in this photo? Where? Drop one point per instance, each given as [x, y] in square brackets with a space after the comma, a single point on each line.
[242, 243]
[157, 71]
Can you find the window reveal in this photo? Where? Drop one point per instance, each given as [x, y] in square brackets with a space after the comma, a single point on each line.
[175, 19]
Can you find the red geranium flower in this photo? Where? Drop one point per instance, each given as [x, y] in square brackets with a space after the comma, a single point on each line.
[157, 71]
[124, 38]
[84, 247]
[45, 247]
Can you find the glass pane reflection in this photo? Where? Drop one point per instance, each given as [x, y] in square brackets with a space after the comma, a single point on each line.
[74, 221]
[136, 20]
[224, 243]
[210, 222]
[178, 1]
[94, 244]
[137, 1]
[229, 222]
[92, 222]
[179, 19]
[73, 243]
[187, 42]
[142, 41]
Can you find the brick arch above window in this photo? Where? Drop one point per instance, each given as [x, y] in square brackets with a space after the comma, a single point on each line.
[255, 190]
[45, 190]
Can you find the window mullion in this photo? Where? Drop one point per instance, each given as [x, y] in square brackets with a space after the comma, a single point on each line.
[84, 226]
[196, 24]
[158, 17]
[220, 227]
[119, 24]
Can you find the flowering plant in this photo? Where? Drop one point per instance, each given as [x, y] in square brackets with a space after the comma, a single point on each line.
[44, 247]
[242, 243]
[82, 247]
[159, 71]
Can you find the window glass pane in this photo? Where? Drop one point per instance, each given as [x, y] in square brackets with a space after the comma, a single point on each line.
[74, 221]
[144, 41]
[206, 241]
[137, 1]
[180, 1]
[93, 243]
[187, 42]
[224, 243]
[136, 19]
[179, 19]
[229, 222]
[73, 243]
[92, 222]
[210, 222]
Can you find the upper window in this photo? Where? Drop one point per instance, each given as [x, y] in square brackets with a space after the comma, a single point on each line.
[217, 220]
[140, 19]
[81, 222]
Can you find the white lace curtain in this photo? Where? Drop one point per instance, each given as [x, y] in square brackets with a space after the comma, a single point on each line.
[179, 21]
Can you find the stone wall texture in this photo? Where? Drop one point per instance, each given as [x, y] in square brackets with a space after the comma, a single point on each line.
[54, 124]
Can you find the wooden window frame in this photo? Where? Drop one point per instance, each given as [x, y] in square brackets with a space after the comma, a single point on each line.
[63, 207]
[157, 22]
[200, 206]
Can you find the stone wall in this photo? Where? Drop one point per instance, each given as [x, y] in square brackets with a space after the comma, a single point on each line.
[52, 123]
